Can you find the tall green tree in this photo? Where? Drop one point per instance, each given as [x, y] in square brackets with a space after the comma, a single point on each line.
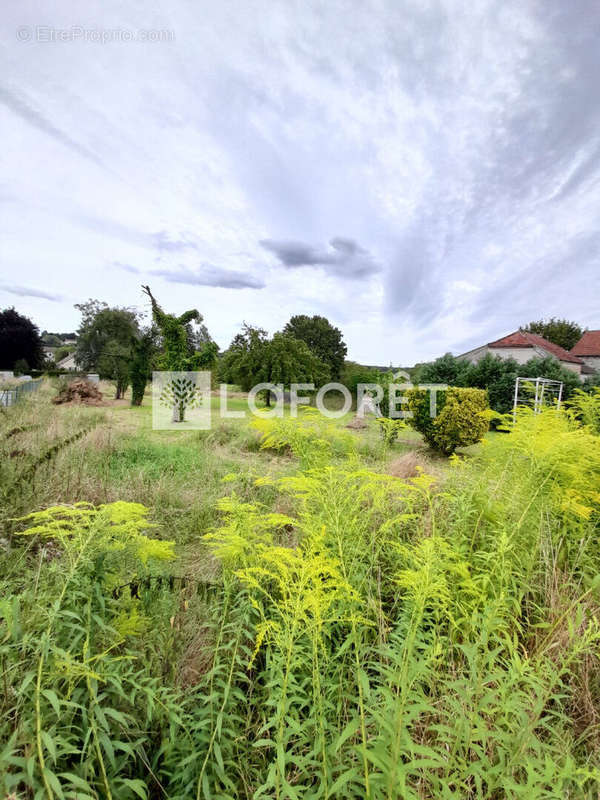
[243, 361]
[253, 358]
[113, 364]
[289, 360]
[20, 340]
[182, 347]
[323, 339]
[105, 341]
[562, 332]
[140, 366]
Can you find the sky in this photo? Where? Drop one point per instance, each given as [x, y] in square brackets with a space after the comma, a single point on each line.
[424, 174]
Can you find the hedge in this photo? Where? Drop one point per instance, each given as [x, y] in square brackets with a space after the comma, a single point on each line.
[458, 422]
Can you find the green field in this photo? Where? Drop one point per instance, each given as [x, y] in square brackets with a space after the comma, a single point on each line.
[294, 609]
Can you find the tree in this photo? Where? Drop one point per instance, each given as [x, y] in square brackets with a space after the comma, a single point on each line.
[323, 340]
[562, 332]
[140, 366]
[19, 340]
[183, 347]
[51, 339]
[354, 373]
[60, 353]
[105, 341]
[243, 361]
[289, 360]
[21, 367]
[496, 375]
[445, 369]
[113, 364]
[252, 358]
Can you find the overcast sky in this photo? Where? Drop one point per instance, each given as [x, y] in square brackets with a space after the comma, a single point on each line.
[424, 174]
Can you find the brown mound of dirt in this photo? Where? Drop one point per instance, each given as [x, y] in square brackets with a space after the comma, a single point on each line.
[79, 391]
[411, 464]
[357, 423]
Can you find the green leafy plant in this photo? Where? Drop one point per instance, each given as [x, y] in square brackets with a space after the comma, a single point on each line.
[460, 420]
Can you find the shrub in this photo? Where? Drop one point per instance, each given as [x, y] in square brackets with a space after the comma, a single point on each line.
[459, 421]
[21, 367]
[584, 408]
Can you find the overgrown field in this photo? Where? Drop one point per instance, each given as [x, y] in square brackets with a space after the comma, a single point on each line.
[292, 609]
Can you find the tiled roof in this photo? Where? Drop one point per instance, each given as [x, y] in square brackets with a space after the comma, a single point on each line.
[588, 345]
[526, 339]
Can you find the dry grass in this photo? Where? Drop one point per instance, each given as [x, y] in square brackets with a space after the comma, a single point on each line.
[413, 463]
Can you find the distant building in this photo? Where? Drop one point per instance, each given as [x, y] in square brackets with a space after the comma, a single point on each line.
[68, 362]
[522, 345]
[588, 350]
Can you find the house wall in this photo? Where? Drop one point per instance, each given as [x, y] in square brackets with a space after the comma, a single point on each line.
[576, 368]
[592, 361]
[473, 356]
[520, 354]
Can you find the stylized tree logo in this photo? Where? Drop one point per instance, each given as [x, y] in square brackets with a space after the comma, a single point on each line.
[180, 394]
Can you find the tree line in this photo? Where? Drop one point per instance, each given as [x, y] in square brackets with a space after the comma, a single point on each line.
[117, 344]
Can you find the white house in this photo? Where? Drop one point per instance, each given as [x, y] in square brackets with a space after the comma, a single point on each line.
[522, 345]
[588, 350]
[68, 362]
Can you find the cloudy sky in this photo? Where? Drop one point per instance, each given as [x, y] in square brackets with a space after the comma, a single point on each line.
[425, 174]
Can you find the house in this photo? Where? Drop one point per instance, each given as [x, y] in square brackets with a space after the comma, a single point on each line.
[522, 345]
[588, 350]
[67, 363]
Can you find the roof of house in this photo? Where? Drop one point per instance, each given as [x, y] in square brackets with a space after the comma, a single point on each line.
[588, 345]
[526, 339]
[66, 360]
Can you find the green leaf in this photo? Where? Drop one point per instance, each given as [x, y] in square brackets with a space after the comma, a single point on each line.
[49, 744]
[52, 697]
[137, 786]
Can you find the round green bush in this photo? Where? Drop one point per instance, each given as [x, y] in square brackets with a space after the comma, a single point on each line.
[458, 422]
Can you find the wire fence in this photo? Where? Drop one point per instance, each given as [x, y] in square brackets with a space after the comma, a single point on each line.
[8, 397]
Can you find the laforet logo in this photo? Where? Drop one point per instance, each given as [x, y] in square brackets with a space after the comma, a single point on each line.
[180, 394]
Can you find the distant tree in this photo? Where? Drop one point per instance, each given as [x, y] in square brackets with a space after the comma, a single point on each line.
[562, 332]
[551, 368]
[353, 374]
[289, 360]
[243, 361]
[497, 375]
[51, 339]
[19, 340]
[62, 352]
[114, 364]
[99, 325]
[323, 340]
[252, 358]
[446, 369]
[105, 341]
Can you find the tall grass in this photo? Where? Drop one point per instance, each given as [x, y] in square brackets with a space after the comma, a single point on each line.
[366, 636]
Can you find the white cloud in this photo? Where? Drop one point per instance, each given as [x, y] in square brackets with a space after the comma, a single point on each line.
[455, 146]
